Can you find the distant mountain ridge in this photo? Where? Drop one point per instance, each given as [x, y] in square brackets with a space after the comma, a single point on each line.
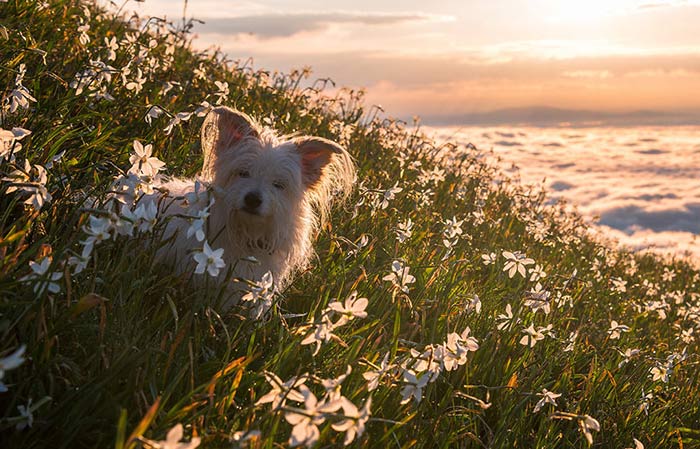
[550, 116]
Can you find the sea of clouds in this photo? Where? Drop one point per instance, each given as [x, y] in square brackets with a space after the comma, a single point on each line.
[640, 186]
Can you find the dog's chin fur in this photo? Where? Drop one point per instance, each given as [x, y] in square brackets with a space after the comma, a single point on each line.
[295, 190]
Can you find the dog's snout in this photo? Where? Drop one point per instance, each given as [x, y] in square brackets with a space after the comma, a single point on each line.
[252, 201]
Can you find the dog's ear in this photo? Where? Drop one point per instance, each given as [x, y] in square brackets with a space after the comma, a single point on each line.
[316, 153]
[222, 130]
[327, 171]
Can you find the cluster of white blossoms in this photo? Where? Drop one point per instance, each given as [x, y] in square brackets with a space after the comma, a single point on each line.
[27, 180]
[310, 412]
[420, 368]
[9, 142]
[129, 213]
[260, 296]
[132, 62]
[322, 332]
[20, 97]
[384, 197]
[451, 234]
[400, 277]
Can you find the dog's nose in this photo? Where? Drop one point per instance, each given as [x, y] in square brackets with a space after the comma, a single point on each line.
[252, 201]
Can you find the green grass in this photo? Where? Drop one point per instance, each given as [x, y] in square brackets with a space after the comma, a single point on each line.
[127, 349]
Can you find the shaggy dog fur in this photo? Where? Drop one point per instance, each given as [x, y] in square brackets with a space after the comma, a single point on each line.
[271, 193]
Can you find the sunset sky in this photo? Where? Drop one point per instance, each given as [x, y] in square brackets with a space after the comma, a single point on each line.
[447, 59]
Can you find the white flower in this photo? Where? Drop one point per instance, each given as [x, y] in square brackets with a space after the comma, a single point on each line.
[20, 98]
[627, 356]
[453, 228]
[261, 289]
[616, 329]
[31, 179]
[146, 215]
[260, 296]
[333, 386]
[200, 72]
[389, 195]
[548, 397]
[12, 361]
[307, 420]
[532, 336]
[537, 273]
[25, 412]
[399, 276]
[588, 424]
[172, 440]
[222, 93]
[84, 38]
[355, 420]
[488, 259]
[404, 231]
[176, 120]
[474, 304]
[619, 285]
[661, 373]
[354, 307]
[42, 277]
[374, 376]
[153, 113]
[98, 230]
[321, 334]
[430, 362]
[124, 223]
[687, 336]
[362, 242]
[571, 341]
[203, 109]
[112, 47]
[456, 349]
[9, 141]
[78, 263]
[668, 275]
[142, 161]
[209, 260]
[137, 83]
[646, 399]
[413, 387]
[281, 391]
[504, 320]
[538, 299]
[197, 225]
[516, 263]
[199, 193]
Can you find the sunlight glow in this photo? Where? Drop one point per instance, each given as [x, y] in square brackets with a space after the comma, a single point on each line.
[587, 11]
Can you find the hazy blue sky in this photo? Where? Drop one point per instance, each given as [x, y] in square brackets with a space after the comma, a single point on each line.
[450, 57]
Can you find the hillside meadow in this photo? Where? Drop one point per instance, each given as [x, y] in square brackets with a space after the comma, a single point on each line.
[447, 305]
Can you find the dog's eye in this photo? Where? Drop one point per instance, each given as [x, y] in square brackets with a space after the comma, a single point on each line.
[243, 174]
[279, 185]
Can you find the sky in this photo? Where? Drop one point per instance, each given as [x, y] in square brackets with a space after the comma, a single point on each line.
[475, 61]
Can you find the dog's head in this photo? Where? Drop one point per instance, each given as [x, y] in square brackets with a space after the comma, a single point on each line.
[267, 182]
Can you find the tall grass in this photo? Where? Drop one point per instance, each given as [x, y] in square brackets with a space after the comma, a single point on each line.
[124, 349]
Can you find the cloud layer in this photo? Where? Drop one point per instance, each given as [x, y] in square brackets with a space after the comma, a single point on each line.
[279, 25]
[639, 185]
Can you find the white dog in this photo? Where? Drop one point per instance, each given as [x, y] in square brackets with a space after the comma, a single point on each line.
[270, 195]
